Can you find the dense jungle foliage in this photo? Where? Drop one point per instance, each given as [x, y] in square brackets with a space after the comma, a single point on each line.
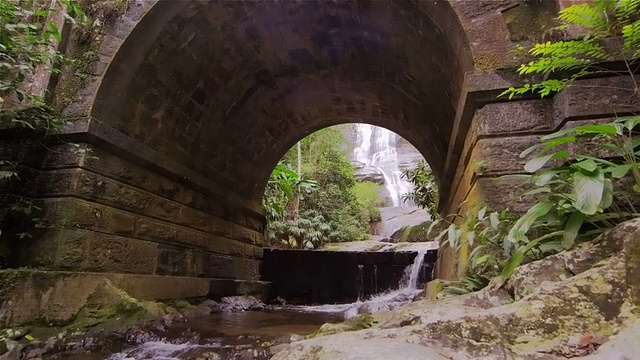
[322, 202]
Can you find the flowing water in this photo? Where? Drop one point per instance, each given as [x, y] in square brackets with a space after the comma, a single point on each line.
[243, 335]
[376, 148]
[408, 289]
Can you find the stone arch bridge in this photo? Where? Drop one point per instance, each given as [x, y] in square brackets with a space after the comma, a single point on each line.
[184, 108]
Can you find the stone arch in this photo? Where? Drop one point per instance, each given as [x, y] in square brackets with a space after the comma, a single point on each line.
[220, 74]
[191, 103]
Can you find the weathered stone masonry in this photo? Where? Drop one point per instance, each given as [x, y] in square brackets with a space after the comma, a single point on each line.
[190, 104]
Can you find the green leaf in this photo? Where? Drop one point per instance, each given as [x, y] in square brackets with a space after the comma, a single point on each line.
[483, 259]
[452, 235]
[601, 129]
[607, 194]
[587, 165]
[481, 213]
[619, 171]
[471, 236]
[588, 190]
[520, 228]
[513, 262]
[493, 218]
[538, 190]
[571, 229]
[538, 162]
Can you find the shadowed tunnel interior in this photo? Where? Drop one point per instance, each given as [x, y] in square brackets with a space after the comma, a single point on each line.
[227, 87]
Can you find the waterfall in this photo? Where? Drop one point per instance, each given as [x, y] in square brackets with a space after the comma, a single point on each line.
[376, 148]
[411, 273]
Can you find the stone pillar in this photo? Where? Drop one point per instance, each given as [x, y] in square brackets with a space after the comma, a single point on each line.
[500, 130]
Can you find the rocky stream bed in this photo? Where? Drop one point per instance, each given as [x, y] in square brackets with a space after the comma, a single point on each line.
[577, 304]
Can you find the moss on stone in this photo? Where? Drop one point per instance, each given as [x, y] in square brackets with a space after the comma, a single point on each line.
[82, 51]
[360, 322]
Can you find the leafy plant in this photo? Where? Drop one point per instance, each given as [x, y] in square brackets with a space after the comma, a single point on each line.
[580, 193]
[301, 233]
[27, 45]
[603, 23]
[425, 188]
[284, 190]
[482, 230]
[578, 197]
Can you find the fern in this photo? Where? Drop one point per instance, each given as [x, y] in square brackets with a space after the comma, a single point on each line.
[600, 19]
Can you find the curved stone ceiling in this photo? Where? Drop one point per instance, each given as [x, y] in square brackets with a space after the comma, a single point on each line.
[227, 87]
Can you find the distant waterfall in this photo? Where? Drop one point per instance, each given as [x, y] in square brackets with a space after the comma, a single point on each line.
[376, 147]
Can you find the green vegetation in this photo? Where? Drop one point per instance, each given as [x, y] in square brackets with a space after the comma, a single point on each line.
[27, 45]
[368, 195]
[323, 205]
[585, 178]
[425, 188]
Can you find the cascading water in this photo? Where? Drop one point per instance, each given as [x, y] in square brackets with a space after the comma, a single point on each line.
[407, 290]
[411, 274]
[376, 148]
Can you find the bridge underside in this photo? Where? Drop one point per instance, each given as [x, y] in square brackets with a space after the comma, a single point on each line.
[190, 104]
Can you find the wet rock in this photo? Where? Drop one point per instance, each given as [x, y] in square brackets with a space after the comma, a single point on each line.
[14, 333]
[209, 307]
[362, 321]
[209, 356]
[240, 303]
[13, 350]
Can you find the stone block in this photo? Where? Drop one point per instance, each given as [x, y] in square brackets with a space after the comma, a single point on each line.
[584, 99]
[510, 118]
[502, 155]
[504, 192]
[171, 261]
[72, 212]
[109, 253]
[218, 266]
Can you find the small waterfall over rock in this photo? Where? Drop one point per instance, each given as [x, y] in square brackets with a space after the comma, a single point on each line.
[408, 289]
[376, 149]
[411, 274]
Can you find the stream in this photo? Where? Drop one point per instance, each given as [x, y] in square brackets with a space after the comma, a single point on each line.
[241, 335]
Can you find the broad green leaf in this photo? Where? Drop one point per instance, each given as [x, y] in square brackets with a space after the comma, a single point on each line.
[556, 134]
[481, 213]
[607, 194]
[619, 171]
[523, 224]
[631, 123]
[483, 259]
[529, 150]
[602, 129]
[587, 165]
[452, 235]
[471, 236]
[493, 218]
[538, 162]
[538, 190]
[588, 189]
[516, 259]
[571, 229]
